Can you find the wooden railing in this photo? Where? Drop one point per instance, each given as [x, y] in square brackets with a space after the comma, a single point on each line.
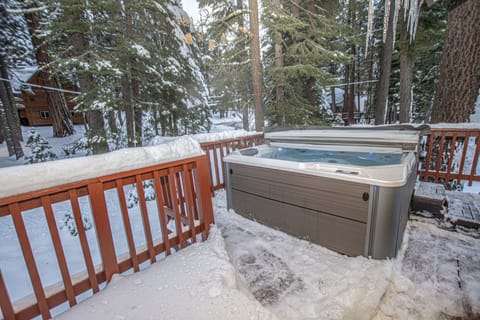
[217, 150]
[182, 190]
[450, 155]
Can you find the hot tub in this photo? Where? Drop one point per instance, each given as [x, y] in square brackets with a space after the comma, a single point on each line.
[348, 190]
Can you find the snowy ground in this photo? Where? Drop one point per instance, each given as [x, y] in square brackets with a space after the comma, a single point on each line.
[232, 275]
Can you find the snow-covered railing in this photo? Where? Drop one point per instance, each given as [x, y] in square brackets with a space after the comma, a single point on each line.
[217, 150]
[450, 154]
[179, 214]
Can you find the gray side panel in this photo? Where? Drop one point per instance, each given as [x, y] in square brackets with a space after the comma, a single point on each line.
[335, 197]
[390, 219]
[343, 235]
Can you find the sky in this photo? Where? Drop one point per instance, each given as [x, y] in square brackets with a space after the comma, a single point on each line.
[191, 6]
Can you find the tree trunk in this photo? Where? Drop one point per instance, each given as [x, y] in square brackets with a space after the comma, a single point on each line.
[381, 92]
[459, 79]
[95, 122]
[126, 81]
[256, 65]
[57, 105]
[242, 57]
[9, 117]
[279, 63]
[334, 100]
[406, 74]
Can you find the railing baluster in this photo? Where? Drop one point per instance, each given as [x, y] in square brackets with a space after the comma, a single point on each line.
[127, 225]
[215, 161]
[83, 240]
[161, 210]
[439, 156]
[178, 220]
[191, 210]
[5, 303]
[450, 157]
[475, 160]
[464, 155]
[29, 260]
[146, 222]
[429, 156]
[181, 196]
[166, 195]
[57, 244]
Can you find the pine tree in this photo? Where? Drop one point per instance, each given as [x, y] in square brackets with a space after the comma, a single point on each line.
[40, 149]
[306, 36]
[427, 56]
[228, 61]
[133, 64]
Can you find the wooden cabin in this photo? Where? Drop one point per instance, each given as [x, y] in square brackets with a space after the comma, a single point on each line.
[32, 103]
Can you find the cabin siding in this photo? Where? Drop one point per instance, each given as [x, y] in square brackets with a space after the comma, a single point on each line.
[36, 102]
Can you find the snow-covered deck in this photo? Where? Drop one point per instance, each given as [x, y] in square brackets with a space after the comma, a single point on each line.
[249, 271]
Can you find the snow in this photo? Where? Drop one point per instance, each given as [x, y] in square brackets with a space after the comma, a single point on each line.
[141, 51]
[198, 282]
[20, 76]
[47, 174]
[247, 266]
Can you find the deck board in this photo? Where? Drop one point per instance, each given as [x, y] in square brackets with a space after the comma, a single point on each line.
[459, 208]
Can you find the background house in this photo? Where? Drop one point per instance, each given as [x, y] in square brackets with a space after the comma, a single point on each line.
[32, 102]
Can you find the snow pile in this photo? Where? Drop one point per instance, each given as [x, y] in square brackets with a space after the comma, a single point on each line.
[296, 279]
[436, 276]
[195, 283]
[17, 180]
[206, 137]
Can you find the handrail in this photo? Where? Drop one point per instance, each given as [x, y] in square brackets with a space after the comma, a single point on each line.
[450, 154]
[182, 192]
[217, 150]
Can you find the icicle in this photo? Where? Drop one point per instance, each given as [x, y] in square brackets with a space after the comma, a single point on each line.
[386, 16]
[395, 20]
[413, 16]
[371, 6]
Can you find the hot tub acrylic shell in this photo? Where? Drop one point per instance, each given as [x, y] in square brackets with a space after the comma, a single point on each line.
[350, 209]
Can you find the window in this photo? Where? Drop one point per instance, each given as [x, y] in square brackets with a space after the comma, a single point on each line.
[44, 114]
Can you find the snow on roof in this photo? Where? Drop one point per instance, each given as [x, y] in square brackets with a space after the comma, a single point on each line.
[27, 178]
[198, 282]
[20, 76]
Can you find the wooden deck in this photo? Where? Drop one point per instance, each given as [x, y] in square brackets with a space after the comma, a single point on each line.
[458, 208]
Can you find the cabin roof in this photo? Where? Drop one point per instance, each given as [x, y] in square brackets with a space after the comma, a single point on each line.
[20, 76]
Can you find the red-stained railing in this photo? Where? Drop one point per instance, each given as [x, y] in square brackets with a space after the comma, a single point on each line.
[450, 154]
[182, 193]
[217, 150]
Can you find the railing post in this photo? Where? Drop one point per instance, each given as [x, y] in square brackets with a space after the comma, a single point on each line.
[203, 186]
[104, 232]
[6, 307]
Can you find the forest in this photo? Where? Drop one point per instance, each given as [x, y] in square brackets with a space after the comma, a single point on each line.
[144, 68]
